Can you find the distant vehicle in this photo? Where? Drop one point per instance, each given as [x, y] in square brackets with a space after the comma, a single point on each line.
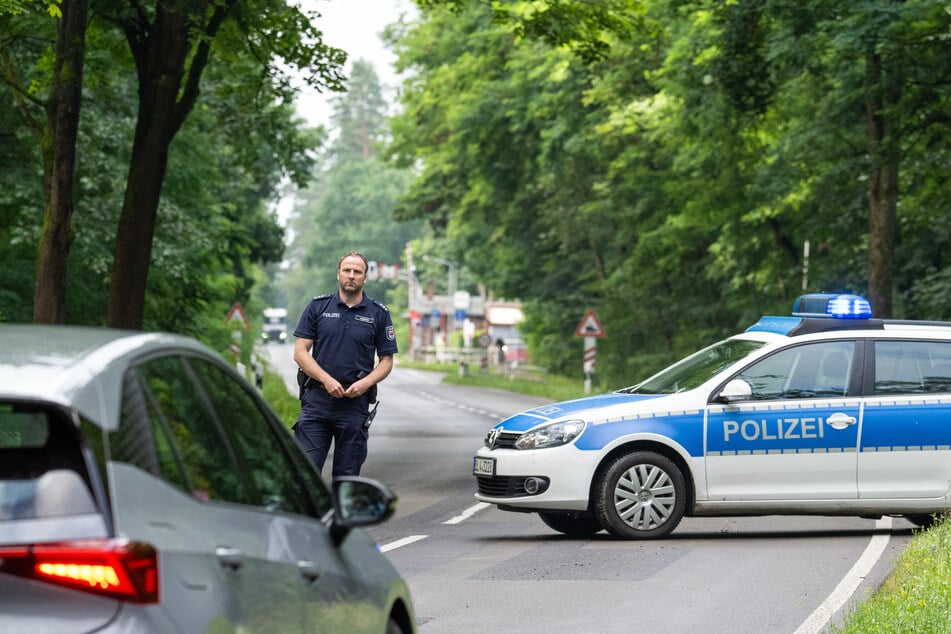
[515, 351]
[823, 412]
[275, 325]
[146, 487]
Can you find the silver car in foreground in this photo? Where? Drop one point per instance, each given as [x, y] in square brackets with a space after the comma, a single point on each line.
[146, 487]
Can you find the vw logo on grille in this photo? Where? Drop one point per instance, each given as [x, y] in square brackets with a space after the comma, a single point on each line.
[491, 437]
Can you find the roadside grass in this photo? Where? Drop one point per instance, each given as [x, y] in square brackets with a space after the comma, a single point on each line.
[557, 388]
[274, 391]
[915, 599]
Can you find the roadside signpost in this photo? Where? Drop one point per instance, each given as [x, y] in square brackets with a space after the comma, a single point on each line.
[591, 330]
[484, 341]
[238, 321]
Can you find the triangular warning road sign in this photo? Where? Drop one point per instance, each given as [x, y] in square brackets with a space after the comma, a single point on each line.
[589, 326]
[236, 317]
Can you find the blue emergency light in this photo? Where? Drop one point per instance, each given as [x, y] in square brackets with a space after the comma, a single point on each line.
[835, 305]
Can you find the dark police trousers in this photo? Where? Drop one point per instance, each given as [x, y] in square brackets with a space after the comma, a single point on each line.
[325, 420]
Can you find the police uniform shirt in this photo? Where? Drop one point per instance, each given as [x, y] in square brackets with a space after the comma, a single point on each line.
[347, 339]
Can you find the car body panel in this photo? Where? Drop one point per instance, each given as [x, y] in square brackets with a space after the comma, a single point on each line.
[76, 366]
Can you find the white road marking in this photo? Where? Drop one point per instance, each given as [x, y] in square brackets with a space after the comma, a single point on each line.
[399, 543]
[458, 405]
[469, 512]
[412, 539]
[842, 592]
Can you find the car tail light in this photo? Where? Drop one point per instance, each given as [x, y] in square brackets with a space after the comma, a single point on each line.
[116, 568]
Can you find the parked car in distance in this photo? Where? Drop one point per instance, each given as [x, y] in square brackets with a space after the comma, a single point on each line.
[275, 325]
[146, 487]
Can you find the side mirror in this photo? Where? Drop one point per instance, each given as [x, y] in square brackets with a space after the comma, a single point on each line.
[359, 502]
[735, 391]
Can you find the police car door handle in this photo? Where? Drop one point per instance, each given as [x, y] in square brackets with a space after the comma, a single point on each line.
[840, 420]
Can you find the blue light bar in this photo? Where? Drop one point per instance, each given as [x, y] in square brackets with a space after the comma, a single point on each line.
[779, 325]
[835, 305]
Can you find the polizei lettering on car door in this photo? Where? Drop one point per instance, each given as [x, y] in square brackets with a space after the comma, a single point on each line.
[799, 427]
[773, 429]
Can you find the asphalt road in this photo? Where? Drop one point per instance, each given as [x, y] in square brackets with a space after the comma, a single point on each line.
[473, 568]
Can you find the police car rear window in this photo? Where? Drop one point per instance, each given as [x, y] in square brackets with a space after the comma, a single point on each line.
[697, 368]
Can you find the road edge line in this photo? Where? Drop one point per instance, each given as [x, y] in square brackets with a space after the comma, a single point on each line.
[850, 582]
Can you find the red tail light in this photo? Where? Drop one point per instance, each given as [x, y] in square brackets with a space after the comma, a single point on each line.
[115, 568]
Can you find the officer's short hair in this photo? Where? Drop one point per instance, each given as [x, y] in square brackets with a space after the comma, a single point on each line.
[366, 265]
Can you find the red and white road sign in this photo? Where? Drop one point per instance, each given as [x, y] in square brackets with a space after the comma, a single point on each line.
[589, 326]
[236, 317]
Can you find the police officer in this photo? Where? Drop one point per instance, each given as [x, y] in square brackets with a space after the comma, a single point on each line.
[338, 337]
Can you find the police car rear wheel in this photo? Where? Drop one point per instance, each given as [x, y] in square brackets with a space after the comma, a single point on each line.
[924, 520]
[640, 496]
[572, 524]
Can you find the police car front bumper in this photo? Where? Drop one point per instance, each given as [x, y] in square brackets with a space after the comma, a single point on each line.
[556, 478]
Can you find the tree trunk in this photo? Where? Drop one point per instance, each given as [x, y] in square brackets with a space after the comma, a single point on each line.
[166, 97]
[882, 135]
[59, 164]
[160, 65]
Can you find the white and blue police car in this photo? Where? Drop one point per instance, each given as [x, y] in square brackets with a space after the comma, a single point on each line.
[825, 412]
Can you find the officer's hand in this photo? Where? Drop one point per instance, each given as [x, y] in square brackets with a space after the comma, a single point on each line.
[355, 390]
[334, 389]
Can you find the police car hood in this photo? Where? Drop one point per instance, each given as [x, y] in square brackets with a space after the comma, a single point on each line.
[591, 408]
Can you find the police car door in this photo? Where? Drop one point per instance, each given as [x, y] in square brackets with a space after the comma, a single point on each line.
[906, 438]
[796, 437]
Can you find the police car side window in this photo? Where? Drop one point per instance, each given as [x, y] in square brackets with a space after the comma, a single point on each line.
[814, 370]
[912, 367]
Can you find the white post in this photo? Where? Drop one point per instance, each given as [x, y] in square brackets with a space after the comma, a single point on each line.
[590, 351]
[805, 265]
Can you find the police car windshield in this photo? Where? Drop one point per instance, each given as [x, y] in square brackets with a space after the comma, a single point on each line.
[696, 369]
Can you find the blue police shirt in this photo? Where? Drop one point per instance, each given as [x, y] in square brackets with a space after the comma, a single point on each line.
[347, 339]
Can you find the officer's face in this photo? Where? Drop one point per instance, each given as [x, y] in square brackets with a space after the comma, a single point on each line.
[352, 274]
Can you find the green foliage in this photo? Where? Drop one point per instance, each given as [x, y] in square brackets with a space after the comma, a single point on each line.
[350, 204]
[216, 228]
[672, 181]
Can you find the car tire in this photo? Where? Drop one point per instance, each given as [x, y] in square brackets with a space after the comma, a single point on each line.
[640, 495]
[924, 520]
[572, 524]
[393, 627]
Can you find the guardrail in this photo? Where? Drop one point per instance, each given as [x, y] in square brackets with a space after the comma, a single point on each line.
[440, 354]
[471, 360]
[525, 372]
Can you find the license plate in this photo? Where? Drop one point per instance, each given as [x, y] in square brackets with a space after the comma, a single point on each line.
[483, 466]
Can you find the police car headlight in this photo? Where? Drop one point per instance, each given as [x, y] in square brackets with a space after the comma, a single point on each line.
[553, 435]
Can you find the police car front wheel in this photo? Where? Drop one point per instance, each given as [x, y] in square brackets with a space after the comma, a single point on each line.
[640, 495]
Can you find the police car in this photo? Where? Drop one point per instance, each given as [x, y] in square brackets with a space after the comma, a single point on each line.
[825, 412]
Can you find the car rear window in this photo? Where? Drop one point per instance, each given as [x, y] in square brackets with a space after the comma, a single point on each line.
[42, 472]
